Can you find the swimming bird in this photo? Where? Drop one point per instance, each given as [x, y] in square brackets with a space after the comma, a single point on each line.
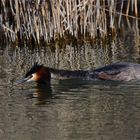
[121, 71]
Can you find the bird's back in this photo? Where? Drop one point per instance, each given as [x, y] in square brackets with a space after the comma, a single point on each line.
[122, 71]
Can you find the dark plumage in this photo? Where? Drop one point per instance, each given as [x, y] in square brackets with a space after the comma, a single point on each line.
[34, 69]
[122, 71]
[117, 72]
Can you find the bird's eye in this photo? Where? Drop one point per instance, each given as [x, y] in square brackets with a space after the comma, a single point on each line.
[30, 76]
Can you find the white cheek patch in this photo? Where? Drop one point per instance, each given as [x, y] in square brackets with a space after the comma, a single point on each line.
[33, 78]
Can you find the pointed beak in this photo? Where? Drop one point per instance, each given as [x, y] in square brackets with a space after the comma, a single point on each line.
[23, 80]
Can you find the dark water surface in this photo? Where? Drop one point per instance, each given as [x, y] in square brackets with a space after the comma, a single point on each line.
[69, 109]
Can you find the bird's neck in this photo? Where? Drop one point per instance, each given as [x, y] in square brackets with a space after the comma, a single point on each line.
[62, 74]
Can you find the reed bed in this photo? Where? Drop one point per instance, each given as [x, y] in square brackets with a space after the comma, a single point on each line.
[45, 21]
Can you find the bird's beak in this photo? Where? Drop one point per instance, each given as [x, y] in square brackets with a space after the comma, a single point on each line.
[23, 80]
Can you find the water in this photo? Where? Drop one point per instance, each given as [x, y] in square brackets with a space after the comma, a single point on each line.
[68, 109]
[72, 111]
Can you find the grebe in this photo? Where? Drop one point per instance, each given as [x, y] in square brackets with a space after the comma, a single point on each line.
[122, 71]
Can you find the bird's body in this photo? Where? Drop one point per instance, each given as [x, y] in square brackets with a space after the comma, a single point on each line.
[122, 71]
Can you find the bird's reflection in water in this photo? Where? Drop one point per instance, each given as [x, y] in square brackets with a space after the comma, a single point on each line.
[42, 94]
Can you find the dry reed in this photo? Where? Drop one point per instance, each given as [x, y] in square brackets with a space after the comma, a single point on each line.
[43, 21]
